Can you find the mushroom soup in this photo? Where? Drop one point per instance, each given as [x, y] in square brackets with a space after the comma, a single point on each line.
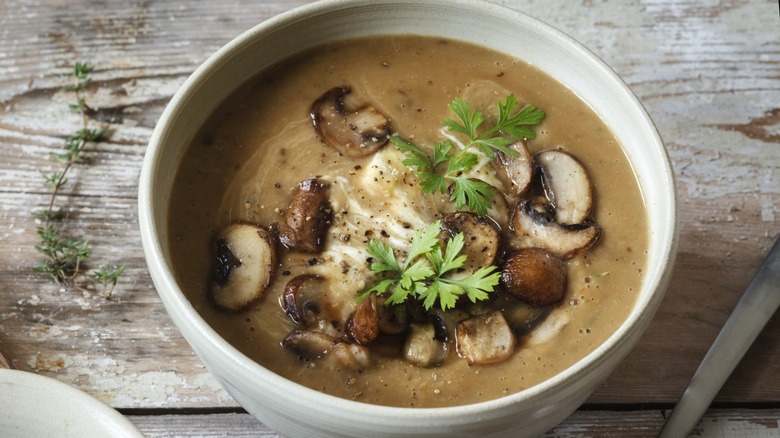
[301, 190]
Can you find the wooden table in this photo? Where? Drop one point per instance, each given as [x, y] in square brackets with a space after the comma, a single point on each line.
[708, 73]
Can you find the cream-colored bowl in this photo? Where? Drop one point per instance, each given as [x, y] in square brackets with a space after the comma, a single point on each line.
[295, 410]
[32, 405]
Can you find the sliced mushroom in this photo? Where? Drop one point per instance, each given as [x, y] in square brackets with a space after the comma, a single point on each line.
[349, 356]
[499, 210]
[308, 344]
[302, 296]
[445, 321]
[245, 264]
[534, 226]
[415, 312]
[485, 339]
[521, 316]
[516, 173]
[566, 184]
[423, 347]
[305, 300]
[440, 332]
[348, 125]
[363, 325]
[535, 276]
[481, 238]
[308, 217]
[393, 319]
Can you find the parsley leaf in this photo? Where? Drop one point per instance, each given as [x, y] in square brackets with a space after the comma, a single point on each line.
[479, 284]
[385, 254]
[415, 157]
[424, 273]
[512, 125]
[423, 242]
[472, 193]
[469, 119]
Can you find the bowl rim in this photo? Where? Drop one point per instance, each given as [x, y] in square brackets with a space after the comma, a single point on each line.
[179, 307]
[56, 406]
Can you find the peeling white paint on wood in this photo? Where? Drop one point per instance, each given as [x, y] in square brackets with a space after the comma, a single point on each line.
[117, 384]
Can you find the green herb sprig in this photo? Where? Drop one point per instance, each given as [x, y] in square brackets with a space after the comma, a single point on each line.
[107, 278]
[66, 254]
[468, 193]
[424, 273]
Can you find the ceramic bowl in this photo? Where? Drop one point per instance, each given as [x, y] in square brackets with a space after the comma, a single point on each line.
[32, 405]
[295, 410]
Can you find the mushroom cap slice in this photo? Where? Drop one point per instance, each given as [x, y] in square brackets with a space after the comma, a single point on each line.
[481, 238]
[348, 125]
[302, 296]
[393, 318]
[245, 264]
[521, 316]
[566, 184]
[516, 173]
[499, 210]
[346, 355]
[308, 344]
[307, 219]
[363, 325]
[445, 321]
[534, 226]
[423, 347]
[535, 276]
[485, 339]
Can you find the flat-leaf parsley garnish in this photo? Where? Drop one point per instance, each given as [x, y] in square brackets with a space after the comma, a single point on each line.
[475, 195]
[423, 275]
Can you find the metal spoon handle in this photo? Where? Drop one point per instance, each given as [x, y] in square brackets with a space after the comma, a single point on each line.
[759, 302]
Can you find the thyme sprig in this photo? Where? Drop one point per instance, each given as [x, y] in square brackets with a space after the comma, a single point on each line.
[65, 254]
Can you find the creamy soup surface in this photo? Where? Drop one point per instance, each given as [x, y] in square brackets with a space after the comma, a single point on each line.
[246, 162]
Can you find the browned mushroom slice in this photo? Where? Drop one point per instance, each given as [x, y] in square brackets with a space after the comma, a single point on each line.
[566, 184]
[245, 263]
[515, 173]
[481, 239]
[351, 127]
[308, 344]
[534, 226]
[302, 296]
[423, 347]
[445, 321]
[521, 316]
[305, 301]
[415, 312]
[349, 356]
[308, 217]
[535, 276]
[393, 319]
[499, 210]
[363, 325]
[485, 339]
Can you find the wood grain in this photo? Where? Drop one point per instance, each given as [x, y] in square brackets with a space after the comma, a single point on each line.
[707, 72]
[5, 362]
[615, 424]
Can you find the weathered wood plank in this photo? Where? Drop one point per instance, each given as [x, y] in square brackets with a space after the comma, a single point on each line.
[113, 349]
[628, 424]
